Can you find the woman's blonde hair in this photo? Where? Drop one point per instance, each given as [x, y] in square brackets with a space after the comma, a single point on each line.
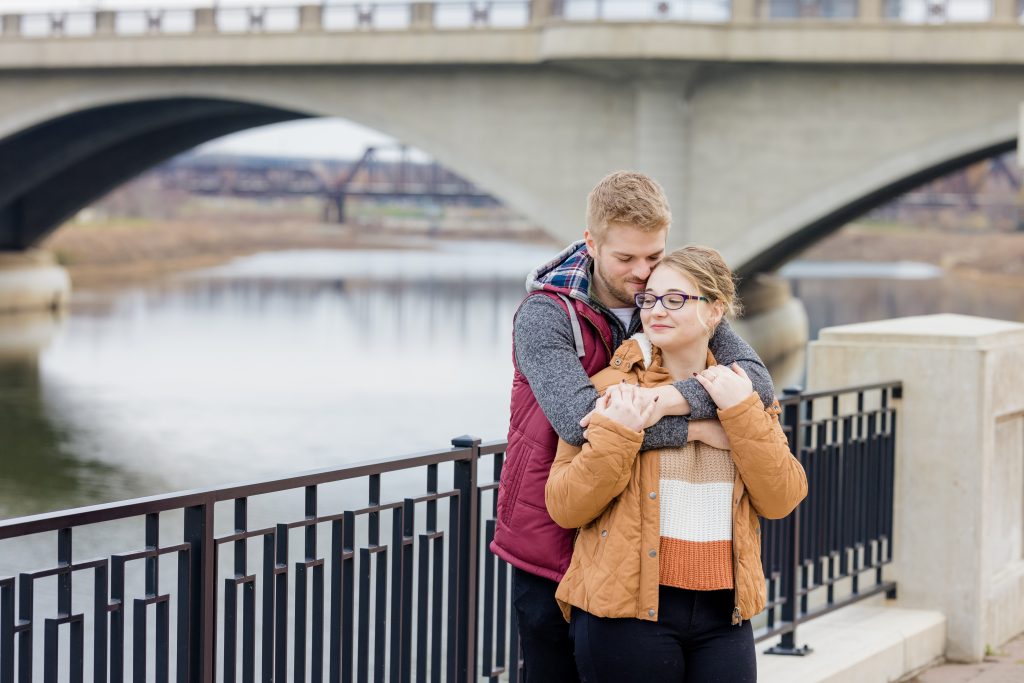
[706, 267]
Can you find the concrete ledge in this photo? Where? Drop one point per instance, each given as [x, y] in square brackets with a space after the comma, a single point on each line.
[859, 644]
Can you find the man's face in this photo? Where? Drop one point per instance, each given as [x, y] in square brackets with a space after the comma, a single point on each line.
[623, 261]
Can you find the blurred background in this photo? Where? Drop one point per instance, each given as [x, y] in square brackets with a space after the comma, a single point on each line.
[317, 292]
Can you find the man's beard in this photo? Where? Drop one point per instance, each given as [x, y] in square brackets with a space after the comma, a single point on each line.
[623, 296]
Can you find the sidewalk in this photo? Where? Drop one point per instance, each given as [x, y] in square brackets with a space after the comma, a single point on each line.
[1005, 665]
[870, 642]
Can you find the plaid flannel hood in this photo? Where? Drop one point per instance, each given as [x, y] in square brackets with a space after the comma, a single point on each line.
[567, 273]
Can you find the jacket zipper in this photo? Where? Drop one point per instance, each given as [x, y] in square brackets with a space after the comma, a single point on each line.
[737, 618]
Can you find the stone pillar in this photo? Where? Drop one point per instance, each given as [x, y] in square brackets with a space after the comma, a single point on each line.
[205, 20]
[311, 18]
[106, 23]
[11, 25]
[421, 16]
[958, 536]
[32, 281]
[870, 11]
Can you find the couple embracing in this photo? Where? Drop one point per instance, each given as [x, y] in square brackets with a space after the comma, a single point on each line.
[644, 443]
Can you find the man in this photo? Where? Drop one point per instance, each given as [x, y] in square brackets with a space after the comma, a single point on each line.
[579, 309]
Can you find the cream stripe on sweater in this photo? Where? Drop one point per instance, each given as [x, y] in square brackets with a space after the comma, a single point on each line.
[696, 484]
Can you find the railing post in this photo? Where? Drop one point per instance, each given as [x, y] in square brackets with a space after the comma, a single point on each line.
[743, 11]
[205, 20]
[202, 634]
[869, 11]
[469, 551]
[11, 25]
[311, 17]
[106, 23]
[421, 16]
[791, 569]
[1004, 11]
[541, 11]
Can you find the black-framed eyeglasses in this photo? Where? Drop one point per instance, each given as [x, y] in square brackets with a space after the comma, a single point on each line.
[672, 301]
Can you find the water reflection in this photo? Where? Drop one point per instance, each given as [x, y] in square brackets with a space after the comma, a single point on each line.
[271, 364]
[896, 295]
[295, 360]
[37, 471]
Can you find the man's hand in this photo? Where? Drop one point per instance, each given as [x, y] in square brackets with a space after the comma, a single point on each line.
[726, 385]
[710, 432]
[666, 399]
[627, 405]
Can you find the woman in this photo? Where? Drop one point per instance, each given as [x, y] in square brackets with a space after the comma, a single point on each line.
[666, 570]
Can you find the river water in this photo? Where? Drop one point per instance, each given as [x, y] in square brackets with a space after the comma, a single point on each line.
[294, 360]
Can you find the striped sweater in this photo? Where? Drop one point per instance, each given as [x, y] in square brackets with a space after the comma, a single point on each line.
[696, 517]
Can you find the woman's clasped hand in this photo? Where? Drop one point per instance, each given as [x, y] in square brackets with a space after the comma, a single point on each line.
[727, 385]
[628, 405]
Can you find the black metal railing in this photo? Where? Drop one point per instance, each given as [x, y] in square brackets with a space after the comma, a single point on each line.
[351, 601]
[830, 552]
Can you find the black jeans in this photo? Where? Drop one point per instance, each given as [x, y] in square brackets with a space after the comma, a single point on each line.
[693, 641]
[543, 631]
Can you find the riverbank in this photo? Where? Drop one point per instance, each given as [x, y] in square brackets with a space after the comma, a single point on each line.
[109, 254]
[115, 252]
[967, 254]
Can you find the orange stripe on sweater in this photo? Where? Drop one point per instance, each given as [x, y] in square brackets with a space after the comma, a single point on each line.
[699, 566]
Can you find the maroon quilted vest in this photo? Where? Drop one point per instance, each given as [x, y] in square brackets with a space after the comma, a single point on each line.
[526, 537]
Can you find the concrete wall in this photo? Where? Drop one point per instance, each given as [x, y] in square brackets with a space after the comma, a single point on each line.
[959, 489]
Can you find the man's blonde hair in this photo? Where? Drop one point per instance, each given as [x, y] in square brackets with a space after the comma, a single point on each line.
[708, 270]
[629, 198]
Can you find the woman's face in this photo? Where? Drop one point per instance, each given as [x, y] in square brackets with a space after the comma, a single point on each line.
[679, 329]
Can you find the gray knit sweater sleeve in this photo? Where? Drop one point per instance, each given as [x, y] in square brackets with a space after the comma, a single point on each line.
[546, 355]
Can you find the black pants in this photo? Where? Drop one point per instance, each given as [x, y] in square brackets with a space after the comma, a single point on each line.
[543, 631]
[693, 641]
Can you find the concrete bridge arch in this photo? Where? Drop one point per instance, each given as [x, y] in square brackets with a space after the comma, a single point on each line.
[125, 123]
[758, 159]
[775, 241]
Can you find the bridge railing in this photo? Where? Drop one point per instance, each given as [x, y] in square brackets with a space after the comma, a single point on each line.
[268, 17]
[382, 569]
[902, 11]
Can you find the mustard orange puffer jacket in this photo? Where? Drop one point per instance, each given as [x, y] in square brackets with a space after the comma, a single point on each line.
[602, 488]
